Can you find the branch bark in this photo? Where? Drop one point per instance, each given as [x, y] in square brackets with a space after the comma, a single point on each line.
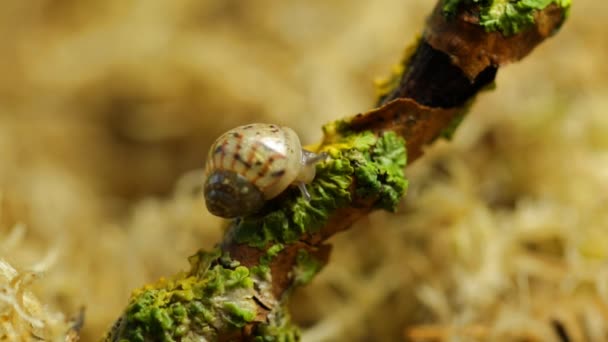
[454, 60]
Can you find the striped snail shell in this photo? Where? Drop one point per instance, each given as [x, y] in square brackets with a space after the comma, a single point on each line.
[251, 164]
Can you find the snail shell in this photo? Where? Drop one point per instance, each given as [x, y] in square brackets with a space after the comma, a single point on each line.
[251, 164]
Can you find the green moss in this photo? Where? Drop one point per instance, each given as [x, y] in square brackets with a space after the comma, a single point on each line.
[373, 165]
[208, 298]
[306, 268]
[507, 16]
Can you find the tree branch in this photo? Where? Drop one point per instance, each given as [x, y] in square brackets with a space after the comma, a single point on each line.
[238, 291]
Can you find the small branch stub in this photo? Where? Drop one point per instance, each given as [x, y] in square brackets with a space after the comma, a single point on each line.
[477, 34]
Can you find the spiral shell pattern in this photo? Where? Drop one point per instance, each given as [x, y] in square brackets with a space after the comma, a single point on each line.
[248, 165]
[267, 155]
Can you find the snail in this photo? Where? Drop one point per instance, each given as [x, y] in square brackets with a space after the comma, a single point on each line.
[251, 164]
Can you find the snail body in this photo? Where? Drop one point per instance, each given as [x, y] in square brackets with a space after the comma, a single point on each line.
[251, 164]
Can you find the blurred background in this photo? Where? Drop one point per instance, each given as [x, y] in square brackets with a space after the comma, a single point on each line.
[108, 107]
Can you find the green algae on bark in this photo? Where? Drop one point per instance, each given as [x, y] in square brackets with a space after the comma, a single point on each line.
[362, 164]
[506, 16]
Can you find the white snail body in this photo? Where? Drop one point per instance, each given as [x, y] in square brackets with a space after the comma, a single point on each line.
[251, 164]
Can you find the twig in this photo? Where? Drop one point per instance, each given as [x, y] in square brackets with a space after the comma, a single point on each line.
[238, 291]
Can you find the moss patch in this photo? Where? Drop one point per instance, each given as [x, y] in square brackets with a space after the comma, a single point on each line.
[361, 163]
[209, 298]
[506, 16]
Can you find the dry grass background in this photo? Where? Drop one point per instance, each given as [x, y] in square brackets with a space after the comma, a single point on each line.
[107, 109]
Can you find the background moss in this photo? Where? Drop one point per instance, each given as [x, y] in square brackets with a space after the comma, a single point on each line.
[107, 106]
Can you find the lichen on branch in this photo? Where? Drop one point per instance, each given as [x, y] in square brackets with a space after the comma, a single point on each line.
[215, 295]
[506, 16]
